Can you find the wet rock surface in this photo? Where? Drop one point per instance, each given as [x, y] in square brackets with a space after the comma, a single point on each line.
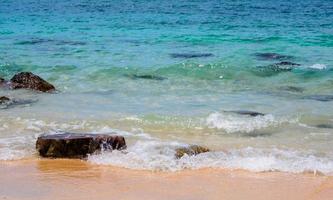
[190, 55]
[28, 80]
[190, 150]
[71, 145]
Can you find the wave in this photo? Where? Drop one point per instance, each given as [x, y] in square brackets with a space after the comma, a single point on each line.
[235, 123]
[160, 156]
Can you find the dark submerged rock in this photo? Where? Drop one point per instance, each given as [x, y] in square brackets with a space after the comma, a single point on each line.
[292, 89]
[271, 70]
[190, 55]
[38, 41]
[28, 80]
[4, 100]
[70, 145]
[148, 76]
[323, 98]
[247, 112]
[328, 126]
[287, 63]
[272, 56]
[190, 150]
[16, 102]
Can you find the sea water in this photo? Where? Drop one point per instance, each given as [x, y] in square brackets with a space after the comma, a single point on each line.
[169, 73]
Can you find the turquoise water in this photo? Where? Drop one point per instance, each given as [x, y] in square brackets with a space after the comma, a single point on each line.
[166, 73]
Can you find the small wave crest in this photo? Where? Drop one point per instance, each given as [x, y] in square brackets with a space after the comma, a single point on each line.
[233, 123]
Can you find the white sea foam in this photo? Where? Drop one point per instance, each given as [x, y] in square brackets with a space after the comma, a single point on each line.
[235, 123]
[155, 155]
[318, 66]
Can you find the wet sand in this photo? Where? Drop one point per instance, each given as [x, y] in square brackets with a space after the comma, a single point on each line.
[75, 179]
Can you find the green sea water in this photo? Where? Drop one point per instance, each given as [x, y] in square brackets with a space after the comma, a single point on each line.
[168, 73]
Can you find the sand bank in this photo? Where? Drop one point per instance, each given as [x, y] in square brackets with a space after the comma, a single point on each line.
[75, 179]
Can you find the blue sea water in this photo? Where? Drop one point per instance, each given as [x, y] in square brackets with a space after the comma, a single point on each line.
[167, 73]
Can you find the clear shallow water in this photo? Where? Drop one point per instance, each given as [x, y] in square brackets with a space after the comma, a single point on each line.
[203, 57]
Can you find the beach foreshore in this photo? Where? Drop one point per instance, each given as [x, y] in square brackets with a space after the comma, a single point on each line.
[77, 179]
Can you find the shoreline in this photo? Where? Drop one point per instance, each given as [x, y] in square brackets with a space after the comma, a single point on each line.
[77, 179]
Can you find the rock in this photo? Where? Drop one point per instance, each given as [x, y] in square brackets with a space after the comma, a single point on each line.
[70, 145]
[4, 100]
[2, 80]
[247, 112]
[190, 55]
[148, 76]
[287, 63]
[271, 56]
[328, 126]
[190, 150]
[28, 80]
[323, 98]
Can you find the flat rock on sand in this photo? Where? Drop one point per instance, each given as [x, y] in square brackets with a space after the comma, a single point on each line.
[71, 145]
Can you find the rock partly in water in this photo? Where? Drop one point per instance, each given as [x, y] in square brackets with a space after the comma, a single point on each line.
[28, 80]
[247, 112]
[70, 145]
[323, 98]
[272, 56]
[147, 76]
[190, 55]
[4, 100]
[190, 150]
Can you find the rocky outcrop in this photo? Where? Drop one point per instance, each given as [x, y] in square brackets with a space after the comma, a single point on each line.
[70, 145]
[190, 150]
[28, 80]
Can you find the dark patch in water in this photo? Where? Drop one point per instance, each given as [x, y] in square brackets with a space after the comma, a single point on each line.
[35, 41]
[272, 56]
[247, 112]
[147, 76]
[323, 98]
[292, 89]
[283, 63]
[328, 126]
[274, 69]
[256, 134]
[190, 55]
[15, 102]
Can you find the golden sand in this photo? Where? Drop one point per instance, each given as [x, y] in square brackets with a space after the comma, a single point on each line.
[75, 179]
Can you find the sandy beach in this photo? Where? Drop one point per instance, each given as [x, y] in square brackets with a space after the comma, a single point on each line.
[76, 179]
